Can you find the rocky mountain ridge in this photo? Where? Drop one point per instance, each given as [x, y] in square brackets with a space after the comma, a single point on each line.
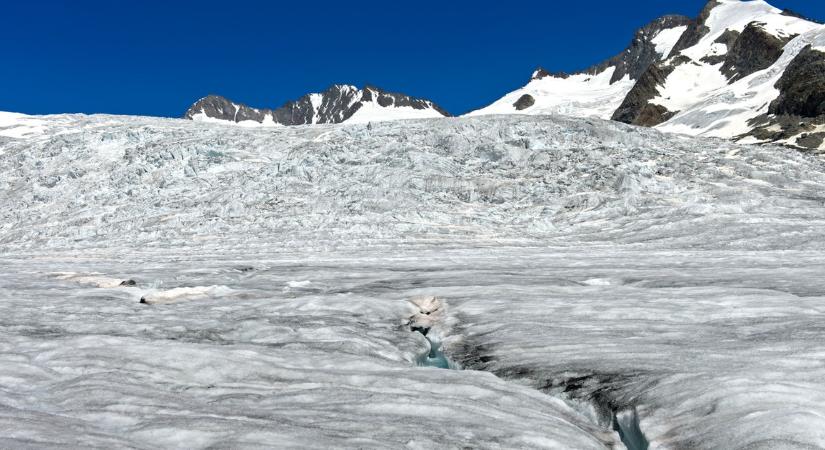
[339, 103]
[740, 70]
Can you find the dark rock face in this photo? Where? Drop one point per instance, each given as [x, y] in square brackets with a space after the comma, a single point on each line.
[728, 38]
[338, 103]
[635, 59]
[335, 105]
[641, 52]
[754, 50]
[811, 140]
[385, 99]
[802, 86]
[540, 73]
[696, 30]
[772, 128]
[218, 107]
[524, 102]
[636, 108]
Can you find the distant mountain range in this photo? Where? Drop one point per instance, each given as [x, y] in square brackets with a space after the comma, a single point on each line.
[742, 70]
[339, 103]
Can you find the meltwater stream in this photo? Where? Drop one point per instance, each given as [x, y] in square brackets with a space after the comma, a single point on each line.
[626, 423]
[429, 320]
[436, 357]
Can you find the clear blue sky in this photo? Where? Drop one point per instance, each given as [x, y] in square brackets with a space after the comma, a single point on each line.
[157, 57]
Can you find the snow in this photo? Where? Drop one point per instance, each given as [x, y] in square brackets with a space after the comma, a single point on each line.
[181, 294]
[725, 111]
[735, 15]
[368, 112]
[316, 100]
[92, 279]
[572, 267]
[688, 84]
[268, 121]
[19, 126]
[666, 39]
[706, 104]
[579, 95]
[373, 112]
[203, 117]
[701, 96]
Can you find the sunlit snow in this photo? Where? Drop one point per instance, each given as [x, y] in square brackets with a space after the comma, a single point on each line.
[580, 95]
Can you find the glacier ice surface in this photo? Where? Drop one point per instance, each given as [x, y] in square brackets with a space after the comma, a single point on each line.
[589, 270]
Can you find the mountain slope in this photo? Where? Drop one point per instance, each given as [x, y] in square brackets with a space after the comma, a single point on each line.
[724, 75]
[338, 104]
[599, 90]
[728, 77]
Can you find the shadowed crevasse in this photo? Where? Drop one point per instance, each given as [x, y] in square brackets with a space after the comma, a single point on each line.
[587, 392]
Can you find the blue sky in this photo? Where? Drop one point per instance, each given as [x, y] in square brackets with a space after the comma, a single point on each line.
[157, 57]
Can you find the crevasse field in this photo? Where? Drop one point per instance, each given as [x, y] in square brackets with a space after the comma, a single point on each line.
[588, 284]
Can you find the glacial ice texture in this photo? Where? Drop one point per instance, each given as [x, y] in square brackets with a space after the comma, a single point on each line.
[589, 270]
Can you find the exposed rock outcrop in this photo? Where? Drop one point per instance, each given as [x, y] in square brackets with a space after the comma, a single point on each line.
[754, 49]
[802, 86]
[524, 102]
[641, 52]
[696, 30]
[728, 38]
[636, 108]
[220, 108]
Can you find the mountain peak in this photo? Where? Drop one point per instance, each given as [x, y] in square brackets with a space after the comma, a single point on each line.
[338, 103]
[599, 89]
[714, 75]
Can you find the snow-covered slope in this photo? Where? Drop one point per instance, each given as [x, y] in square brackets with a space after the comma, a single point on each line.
[717, 75]
[580, 95]
[338, 104]
[729, 76]
[741, 70]
[599, 90]
[593, 274]
[16, 125]
[727, 110]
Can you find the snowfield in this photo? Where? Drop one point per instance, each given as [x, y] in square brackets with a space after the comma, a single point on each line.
[580, 95]
[176, 284]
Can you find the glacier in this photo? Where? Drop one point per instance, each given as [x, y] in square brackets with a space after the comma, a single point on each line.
[175, 284]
